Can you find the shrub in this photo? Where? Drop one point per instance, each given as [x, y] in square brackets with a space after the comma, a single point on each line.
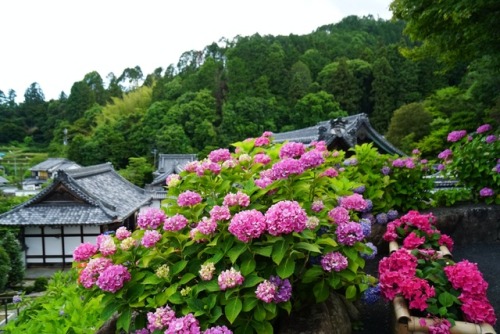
[40, 284]
[4, 268]
[245, 236]
[474, 159]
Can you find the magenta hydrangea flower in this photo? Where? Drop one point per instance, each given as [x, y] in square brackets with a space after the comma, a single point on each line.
[285, 217]
[175, 223]
[230, 279]
[265, 291]
[349, 233]
[218, 330]
[219, 213]
[160, 318]
[353, 202]
[334, 261]
[150, 238]
[486, 192]
[188, 198]
[483, 128]
[286, 167]
[317, 206]
[446, 154]
[455, 136]
[262, 158]
[187, 324]
[330, 172]
[247, 225]
[122, 233]
[413, 241]
[88, 276]
[292, 150]
[312, 158]
[207, 226]
[106, 244]
[339, 215]
[490, 139]
[84, 251]
[219, 155]
[150, 218]
[113, 278]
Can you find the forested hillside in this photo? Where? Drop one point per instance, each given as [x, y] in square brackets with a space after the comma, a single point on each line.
[241, 87]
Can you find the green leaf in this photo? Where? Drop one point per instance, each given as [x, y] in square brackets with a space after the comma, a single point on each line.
[260, 313]
[249, 303]
[446, 299]
[236, 251]
[279, 251]
[152, 279]
[350, 292]
[178, 267]
[252, 280]
[134, 292]
[263, 327]
[186, 278]
[110, 309]
[124, 320]
[307, 246]
[264, 251]
[233, 309]
[312, 274]
[321, 291]
[286, 268]
[248, 266]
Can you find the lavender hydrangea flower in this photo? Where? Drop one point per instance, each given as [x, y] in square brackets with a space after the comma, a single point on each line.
[392, 214]
[366, 226]
[385, 170]
[381, 218]
[486, 192]
[334, 261]
[373, 254]
[349, 233]
[283, 289]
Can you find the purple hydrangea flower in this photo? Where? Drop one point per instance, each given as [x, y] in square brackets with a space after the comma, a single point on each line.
[483, 128]
[381, 218]
[366, 226]
[283, 289]
[188, 198]
[349, 233]
[392, 214]
[312, 159]
[334, 261]
[385, 170]
[490, 139]
[371, 295]
[373, 254]
[455, 136]
[486, 192]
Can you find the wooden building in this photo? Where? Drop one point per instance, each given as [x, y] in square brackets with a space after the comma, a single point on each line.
[79, 205]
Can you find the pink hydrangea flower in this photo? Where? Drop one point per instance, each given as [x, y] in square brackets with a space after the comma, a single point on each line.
[334, 261]
[285, 217]
[175, 223]
[106, 245]
[455, 136]
[218, 330]
[207, 165]
[160, 318]
[113, 278]
[150, 218]
[286, 167]
[477, 310]
[219, 155]
[88, 276]
[84, 251]
[330, 172]
[207, 226]
[446, 154]
[353, 202]
[265, 291]
[150, 238]
[247, 225]
[220, 213]
[262, 158]
[187, 324]
[122, 233]
[349, 233]
[188, 198]
[312, 158]
[483, 128]
[317, 206]
[262, 141]
[292, 150]
[230, 279]
[239, 198]
[339, 215]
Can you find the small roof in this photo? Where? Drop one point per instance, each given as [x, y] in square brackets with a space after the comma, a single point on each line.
[94, 195]
[53, 164]
[340, 133]
[170, 164]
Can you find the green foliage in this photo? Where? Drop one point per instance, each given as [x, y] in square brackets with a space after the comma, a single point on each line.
[474, 162]
[60, 310]
[13, 249]
[40, 284]
[450, 197]
[138, 171]
[4, 268]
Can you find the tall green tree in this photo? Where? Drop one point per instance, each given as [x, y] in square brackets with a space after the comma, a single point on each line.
[13, 248]
[383, 94]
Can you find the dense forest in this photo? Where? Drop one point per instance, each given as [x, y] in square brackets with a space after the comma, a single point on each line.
[239, 88]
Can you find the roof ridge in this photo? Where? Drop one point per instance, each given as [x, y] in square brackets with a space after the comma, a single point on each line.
[90, 170]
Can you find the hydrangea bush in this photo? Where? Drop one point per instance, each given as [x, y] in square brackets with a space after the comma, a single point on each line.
[474, 160]
[241, 238]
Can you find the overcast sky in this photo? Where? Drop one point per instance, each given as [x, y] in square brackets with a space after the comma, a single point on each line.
[57, 42]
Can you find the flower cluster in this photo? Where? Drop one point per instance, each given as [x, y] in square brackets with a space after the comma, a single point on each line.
[150, 218]
[334, 261]
[229, 279]
[275, 290]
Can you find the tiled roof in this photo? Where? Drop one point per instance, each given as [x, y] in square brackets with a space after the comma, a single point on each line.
[53, 164]
[170, 164]
[87, 195]
[348, 131]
